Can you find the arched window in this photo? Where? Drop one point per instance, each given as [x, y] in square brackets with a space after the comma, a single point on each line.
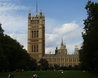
[32, 34]
[32, 48]
[35, 48]
[37, 34]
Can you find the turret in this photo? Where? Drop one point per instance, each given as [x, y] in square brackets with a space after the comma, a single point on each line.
[56, 50]
[36, 35]
[29, 16]
[41, 14]
[62, 45]
[76, 51]
[62, 49]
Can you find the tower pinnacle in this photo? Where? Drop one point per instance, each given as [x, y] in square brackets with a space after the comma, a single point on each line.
[62, 43]
[41, 12]
[36, 7]
[29, 15]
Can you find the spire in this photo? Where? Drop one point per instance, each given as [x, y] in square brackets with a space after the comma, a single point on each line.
[41, 10]
[36, 7]
[29, 11]
[56, 50]
[62, 43]
[29, 15]
[76, 51]
[41, 14]
[89, 0]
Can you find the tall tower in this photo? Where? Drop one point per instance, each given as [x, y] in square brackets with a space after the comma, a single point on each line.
[36, 35]
[76, 51]
[62, 49]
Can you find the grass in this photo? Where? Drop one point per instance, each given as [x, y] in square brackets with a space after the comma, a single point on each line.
[52, 74]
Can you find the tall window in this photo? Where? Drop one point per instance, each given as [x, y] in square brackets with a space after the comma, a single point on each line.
[32, 34]
[32, 48]
[35, 34]
[35, 48]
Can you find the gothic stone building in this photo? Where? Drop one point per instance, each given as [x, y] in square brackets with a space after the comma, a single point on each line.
[36, 44]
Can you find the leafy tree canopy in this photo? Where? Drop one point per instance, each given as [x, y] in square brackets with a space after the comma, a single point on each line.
[12, 55]
[43, 64]
[89, 49]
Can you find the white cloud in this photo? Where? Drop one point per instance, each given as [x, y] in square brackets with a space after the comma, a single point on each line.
[66, 28]
[14, 24]
[16, 27]
[10, 17]
[4, 0]
[10, 5]
[22, 38]
[71, 34]
[49, 50]
[52, 24]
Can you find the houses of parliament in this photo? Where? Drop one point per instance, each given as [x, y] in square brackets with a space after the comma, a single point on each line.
[36, 44]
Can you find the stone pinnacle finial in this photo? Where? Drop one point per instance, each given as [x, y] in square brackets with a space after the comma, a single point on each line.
[29, 15]
[41, 14]
[40, 9]
[89, 0]
[36, 7]
[62, 42]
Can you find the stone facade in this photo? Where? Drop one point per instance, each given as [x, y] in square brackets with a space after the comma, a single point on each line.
[36, 36]
[36, 44]
[62, 58]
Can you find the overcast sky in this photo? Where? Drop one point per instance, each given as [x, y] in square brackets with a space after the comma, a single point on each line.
[64, 20]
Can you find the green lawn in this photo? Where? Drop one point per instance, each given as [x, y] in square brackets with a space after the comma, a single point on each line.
[52, 74]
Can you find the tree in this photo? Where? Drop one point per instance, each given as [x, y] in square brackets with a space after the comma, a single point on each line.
[89, 49]
[56, 67]
[1, 30]
[3, 61]
[12, 55]
[43, 64]
[32, 64]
